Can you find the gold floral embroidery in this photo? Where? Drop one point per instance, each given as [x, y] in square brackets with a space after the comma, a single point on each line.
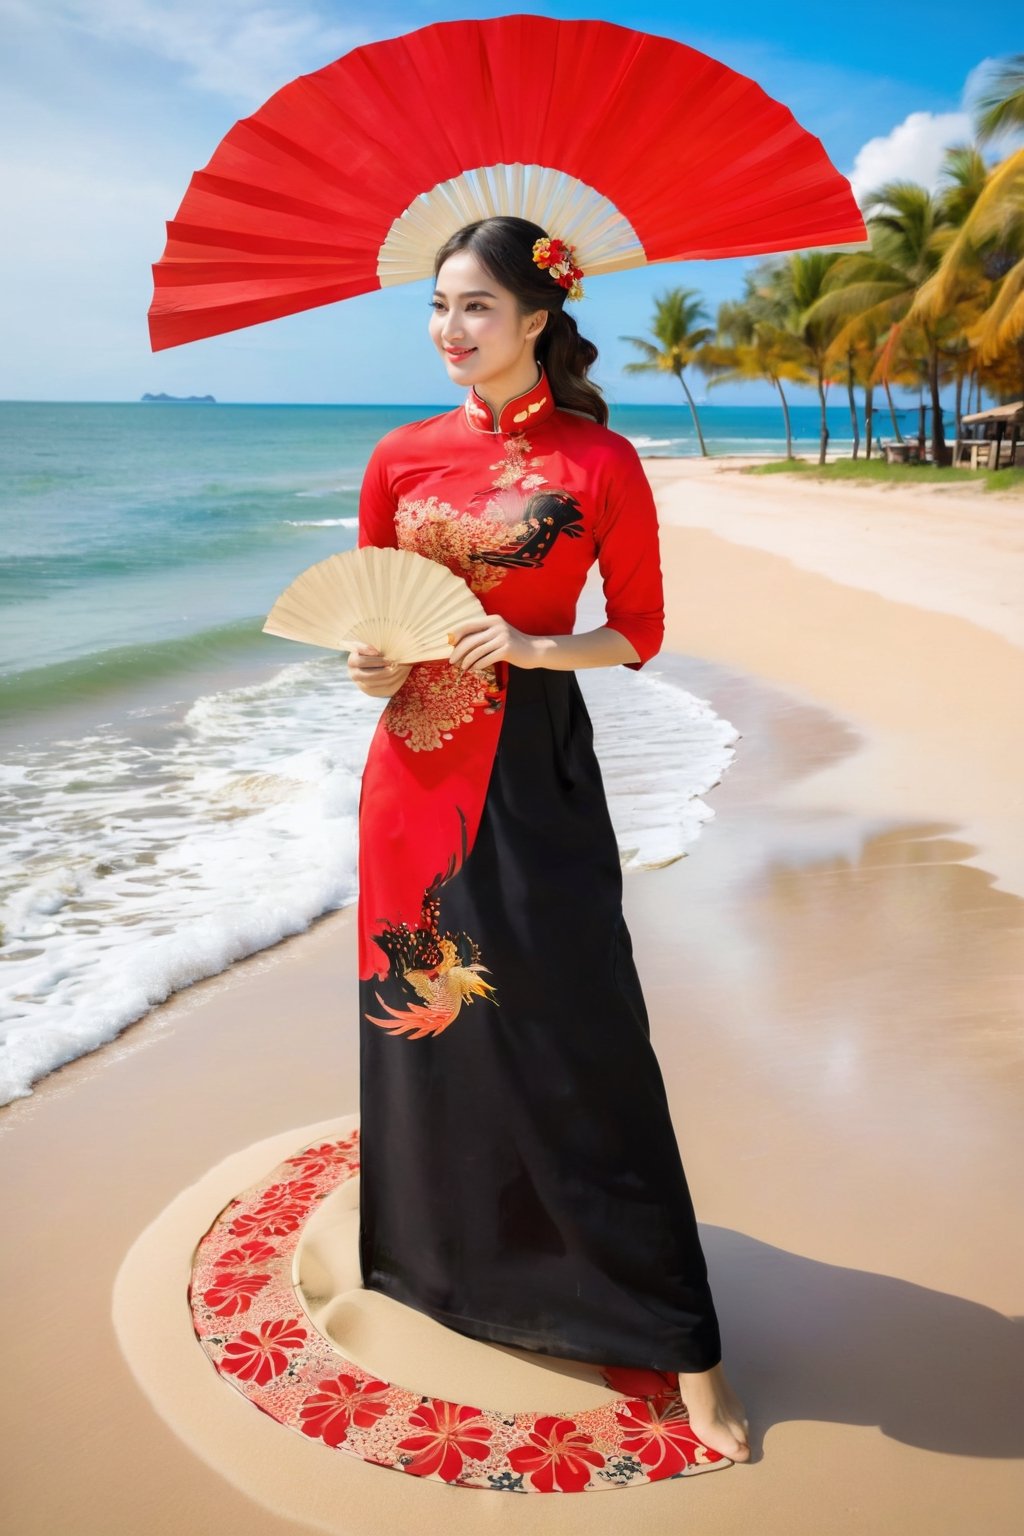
[436, 529]
[453, 537]
[503, 530]
[512, 468]
[435, 699]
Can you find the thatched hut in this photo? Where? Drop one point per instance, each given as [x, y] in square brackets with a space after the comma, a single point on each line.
[990, 438]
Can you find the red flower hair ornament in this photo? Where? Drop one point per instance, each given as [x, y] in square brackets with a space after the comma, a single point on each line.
[559, 258]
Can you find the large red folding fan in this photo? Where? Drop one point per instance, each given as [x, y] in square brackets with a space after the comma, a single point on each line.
[635, 148]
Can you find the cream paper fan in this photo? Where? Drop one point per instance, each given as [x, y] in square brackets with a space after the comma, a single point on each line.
[394, 599]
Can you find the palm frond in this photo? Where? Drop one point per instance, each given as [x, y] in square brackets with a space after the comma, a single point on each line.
[650, 351]
[997, 214]
[1002, 324]
[1000, 107]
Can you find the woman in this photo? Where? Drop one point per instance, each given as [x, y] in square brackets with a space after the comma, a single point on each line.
[520, 1181]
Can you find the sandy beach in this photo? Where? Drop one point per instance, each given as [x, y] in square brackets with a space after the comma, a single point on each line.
[834, 976]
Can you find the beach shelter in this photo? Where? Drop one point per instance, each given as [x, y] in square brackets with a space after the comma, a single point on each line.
[992, 436]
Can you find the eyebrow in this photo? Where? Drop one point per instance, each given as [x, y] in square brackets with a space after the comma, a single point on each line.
[470, 293]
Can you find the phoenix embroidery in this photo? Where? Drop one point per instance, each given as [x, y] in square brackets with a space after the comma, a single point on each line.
[442, 969]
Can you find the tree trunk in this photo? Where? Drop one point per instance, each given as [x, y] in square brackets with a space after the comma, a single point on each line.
[958, 408]
[940, 453]
[922, 429]
[785, 417]
[693, 413]
[892, 412]
[853, 404]
[869, 418]
[823, 443]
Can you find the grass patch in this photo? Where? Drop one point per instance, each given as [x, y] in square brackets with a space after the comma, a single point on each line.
[875, 470]
[1004, 479]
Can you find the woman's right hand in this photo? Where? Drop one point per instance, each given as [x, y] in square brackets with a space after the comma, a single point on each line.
[370, 672]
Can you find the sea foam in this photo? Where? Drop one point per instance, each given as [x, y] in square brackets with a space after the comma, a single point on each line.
[139, 863]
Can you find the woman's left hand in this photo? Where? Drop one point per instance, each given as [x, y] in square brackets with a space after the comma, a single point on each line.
[480, 642]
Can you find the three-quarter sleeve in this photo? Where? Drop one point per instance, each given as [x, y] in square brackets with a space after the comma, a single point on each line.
[629, 556]
[377, 501]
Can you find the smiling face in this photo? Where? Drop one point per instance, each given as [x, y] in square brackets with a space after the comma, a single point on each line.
[478, 330]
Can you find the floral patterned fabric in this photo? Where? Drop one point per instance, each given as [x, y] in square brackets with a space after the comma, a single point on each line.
[251, 1323]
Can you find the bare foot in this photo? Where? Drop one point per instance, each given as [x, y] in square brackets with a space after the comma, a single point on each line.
[716, 1413]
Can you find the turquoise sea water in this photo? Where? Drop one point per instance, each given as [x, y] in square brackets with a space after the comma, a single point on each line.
[178, 789]
[143, 538]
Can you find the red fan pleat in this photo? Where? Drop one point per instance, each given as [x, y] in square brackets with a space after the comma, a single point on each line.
[296, 205]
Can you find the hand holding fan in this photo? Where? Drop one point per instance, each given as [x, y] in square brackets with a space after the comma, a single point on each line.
[394, 599]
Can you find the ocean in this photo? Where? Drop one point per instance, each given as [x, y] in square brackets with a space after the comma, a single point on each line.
[178, 789]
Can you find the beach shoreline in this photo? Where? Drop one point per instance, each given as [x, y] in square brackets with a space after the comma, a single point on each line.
[724, 533]
[720, 536]
[832, 973]
[904, 614]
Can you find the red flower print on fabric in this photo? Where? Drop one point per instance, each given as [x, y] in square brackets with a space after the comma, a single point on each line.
[287, 1196]
[658, 1432]
[259, 1356]
[559, 1456]
[318, 1159]
[232, 1293]
[295, 1374]
[637, 1381]
[272, 1223]
[338, 1404]
[282, 1209]
[450, 1434]
[253, 1252]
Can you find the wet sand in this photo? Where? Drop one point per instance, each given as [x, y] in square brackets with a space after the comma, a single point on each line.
[834, 979]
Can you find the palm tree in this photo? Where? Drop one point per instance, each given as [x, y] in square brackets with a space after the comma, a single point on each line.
[680, 342]
[981, 274]
[874, 289]
[754, 346]
[965, 173]
[857, 367]
[987, 258]
[902, 360]
[795, 286]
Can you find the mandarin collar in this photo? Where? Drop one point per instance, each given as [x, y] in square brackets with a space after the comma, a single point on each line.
[532, 406]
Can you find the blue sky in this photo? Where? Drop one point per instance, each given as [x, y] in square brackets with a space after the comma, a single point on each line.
[108, 106]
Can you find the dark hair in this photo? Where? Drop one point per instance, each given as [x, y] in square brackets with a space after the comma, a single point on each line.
[503, 245]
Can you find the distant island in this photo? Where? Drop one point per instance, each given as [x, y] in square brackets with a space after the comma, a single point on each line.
[183, 399]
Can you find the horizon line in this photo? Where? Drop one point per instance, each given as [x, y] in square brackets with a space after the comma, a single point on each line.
[397, 405]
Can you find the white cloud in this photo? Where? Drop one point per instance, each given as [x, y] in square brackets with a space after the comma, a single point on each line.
[913, 151]
[233, 48]
[99, 156]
